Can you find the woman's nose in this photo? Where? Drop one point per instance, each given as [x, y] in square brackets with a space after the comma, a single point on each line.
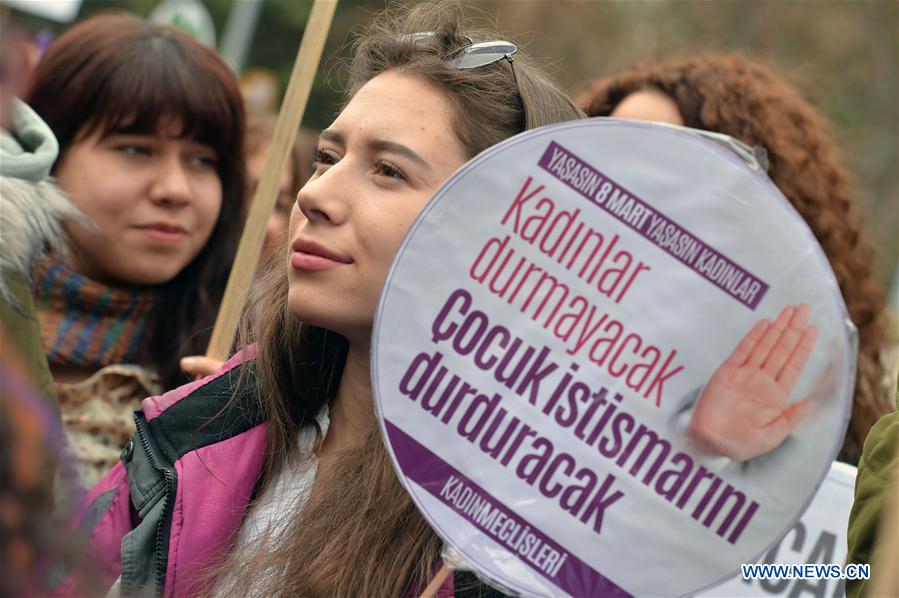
[323, 199]
[171, 183]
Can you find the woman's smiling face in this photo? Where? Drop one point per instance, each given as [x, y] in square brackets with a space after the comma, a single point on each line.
[153, 198]
[379, 163]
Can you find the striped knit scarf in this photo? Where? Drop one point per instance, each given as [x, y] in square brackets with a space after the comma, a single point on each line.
[86, 323]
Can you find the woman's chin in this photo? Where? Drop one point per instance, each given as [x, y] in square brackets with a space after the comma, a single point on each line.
[310, 315]
[356, 332]
[352, 320]
[304, 314]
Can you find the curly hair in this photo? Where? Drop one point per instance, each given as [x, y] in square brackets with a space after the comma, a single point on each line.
[749, 101]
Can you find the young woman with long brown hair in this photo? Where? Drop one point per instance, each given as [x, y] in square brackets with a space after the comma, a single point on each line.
[150, 126]
[749, 101]
[269, 478]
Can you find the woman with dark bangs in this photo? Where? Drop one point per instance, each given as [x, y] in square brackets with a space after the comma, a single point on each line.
[732, 95]
[150, 126]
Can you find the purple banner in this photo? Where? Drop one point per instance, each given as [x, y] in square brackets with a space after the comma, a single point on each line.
[657, 228]
[480, 508]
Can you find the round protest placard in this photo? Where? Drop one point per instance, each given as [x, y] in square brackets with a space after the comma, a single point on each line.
[610, 359]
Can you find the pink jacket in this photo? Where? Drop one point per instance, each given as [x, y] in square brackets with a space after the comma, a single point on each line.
[169, 511]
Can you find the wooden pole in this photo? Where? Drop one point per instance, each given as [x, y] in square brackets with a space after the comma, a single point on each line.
[289, 118]
[439, 578]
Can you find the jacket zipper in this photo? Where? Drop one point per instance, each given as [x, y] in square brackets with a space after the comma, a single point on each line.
[169, 490]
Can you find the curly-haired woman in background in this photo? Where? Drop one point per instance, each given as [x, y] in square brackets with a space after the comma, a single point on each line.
[732, 95]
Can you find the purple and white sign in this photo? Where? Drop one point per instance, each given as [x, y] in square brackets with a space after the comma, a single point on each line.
[610, 359]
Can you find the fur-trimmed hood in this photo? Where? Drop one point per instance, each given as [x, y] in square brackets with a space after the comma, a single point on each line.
[30, 222]
[31, 205]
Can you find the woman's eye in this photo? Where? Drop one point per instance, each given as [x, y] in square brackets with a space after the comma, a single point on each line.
[133, 149]
[386, 169]
[206, 161]
[321, 159]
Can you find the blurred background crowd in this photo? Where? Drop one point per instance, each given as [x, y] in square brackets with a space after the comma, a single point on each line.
[840, 54]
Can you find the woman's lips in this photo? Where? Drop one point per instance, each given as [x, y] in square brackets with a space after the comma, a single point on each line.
[312, 257]
[164, 234]
[312, 263]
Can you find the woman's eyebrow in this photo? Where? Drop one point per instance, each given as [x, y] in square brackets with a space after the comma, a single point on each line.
[376, 145]
[333, 136]
[398, 148]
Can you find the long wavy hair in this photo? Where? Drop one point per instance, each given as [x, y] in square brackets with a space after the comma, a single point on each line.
[361, 535]
[748, 100]
[115, 72]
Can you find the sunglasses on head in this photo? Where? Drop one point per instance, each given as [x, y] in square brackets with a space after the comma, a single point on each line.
[473, 55]
[476, 55]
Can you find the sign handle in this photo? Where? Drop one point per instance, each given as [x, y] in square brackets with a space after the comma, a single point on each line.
[286, 127]
[436, 582]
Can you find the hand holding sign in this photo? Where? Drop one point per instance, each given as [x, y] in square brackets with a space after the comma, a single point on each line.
[745, 409]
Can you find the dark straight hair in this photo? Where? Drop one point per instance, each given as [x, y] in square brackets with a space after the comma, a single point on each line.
[116, 73]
